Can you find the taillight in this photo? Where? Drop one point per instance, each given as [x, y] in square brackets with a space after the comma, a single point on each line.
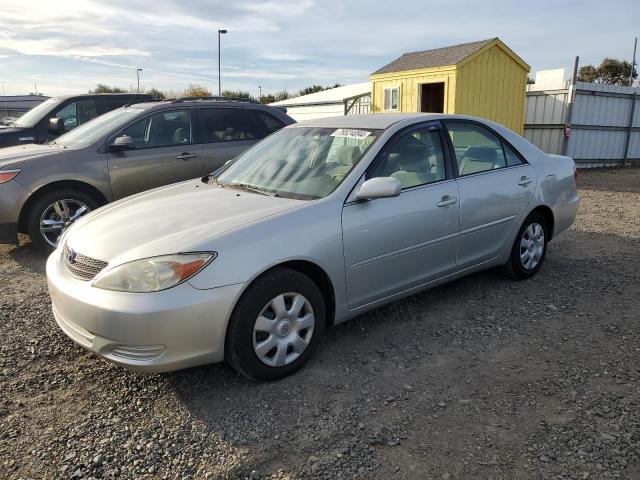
[6, 175]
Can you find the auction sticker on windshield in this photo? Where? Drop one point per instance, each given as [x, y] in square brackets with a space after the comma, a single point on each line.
[350, 133]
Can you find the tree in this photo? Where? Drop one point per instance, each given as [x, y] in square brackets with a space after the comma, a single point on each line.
[311, 89]
[156, 94]
[610, 72]
[195, 90]
[530, 81]
[102, 88]
[282, 95]
[317, 88]
[268, 99]
[238, 94]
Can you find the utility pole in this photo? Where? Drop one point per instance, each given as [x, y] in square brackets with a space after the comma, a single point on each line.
[138, 70]
[220, 32]
[260, 96]
[633, 62]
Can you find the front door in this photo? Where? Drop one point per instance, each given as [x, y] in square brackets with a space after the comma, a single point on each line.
[167, 151]
[394, 244]
[495, 185]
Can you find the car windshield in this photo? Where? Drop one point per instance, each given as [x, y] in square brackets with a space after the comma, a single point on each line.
[95, 129]
[33, 116]
[299, 162]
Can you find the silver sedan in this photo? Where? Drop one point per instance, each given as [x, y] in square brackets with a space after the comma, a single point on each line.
[318, 223]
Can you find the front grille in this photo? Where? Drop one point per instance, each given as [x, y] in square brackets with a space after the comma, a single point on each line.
[80, 266]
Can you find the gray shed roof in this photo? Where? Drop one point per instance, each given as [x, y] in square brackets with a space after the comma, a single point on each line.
[438, 57]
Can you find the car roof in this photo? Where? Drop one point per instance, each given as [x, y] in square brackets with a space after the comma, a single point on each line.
[373, 120]
[90, 95]
[202, 103]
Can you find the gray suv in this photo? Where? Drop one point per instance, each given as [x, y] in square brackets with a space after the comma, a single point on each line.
[45, 188]
[60, 115]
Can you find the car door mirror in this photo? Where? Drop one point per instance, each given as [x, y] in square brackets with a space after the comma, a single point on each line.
[123, 142]
[379, 187]
[56, 125]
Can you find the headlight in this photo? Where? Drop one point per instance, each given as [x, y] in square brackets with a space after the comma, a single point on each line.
[6, 175]
[153, 274]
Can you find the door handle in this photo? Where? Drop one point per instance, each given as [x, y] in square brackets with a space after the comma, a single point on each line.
[524, 181]
[186, 156]
[447, 200]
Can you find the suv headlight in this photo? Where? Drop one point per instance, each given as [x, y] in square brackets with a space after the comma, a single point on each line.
[153, 274]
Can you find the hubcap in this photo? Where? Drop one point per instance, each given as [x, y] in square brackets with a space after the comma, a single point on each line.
[59, 216]
[532, 246]
[283, 329]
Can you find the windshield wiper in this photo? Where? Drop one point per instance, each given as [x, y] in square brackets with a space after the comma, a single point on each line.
[251, 188]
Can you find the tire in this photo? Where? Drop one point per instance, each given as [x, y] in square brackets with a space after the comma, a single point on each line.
[244, 337]
[525, 262]
[43, 204]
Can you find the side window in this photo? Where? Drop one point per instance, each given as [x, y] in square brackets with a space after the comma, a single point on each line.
[228, 125]
[415, 159]
[269, 123]
[391, 98]
[77, 113]
[476, 148]
[511, 156]
[162, 129]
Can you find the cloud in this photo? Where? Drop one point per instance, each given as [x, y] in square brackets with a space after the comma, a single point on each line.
[280, 44]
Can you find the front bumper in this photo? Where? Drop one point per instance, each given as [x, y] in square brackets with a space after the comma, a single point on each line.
[162, 331]
[12, 199]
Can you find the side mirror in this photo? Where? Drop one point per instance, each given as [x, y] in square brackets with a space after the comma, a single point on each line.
[123, 142]
[379, 187]
[56, 125]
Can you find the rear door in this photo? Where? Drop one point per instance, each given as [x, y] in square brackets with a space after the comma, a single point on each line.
[227, 133]
[394, 244]
[495, 185]
[168, 150]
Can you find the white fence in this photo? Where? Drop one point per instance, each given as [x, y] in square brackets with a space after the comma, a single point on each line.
[604, 123]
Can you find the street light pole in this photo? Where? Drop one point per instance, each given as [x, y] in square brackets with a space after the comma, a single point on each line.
[633, 62]
[220, 32]
[138, 70]
[260, 97]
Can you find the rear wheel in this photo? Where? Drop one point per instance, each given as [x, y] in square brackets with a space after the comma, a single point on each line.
[54, 212]
[529, 249]
[276, 325]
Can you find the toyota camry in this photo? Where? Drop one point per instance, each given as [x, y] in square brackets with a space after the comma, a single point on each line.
[319, 222]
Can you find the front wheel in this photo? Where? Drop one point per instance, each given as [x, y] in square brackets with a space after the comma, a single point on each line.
[276, 325]
[54, 212]
[529, 249]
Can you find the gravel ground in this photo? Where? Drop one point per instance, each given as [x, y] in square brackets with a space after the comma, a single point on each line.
[481, 378]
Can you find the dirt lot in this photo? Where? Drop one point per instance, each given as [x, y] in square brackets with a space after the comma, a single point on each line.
[481, 378]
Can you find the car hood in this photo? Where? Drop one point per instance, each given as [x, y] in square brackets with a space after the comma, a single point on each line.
[182, 217]
[14, 156]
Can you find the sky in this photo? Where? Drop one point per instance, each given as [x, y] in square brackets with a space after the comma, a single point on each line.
[67, 47]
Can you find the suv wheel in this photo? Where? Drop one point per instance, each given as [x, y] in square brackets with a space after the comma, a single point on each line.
[54, 212]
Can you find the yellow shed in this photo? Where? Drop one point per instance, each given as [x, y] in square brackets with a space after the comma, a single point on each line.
[484, 78]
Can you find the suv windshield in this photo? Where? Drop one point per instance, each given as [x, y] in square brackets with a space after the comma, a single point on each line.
[300, 162]
[33, 116]
[93, 130]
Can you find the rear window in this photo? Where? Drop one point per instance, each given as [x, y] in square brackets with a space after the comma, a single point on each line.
[268, 122]
[229, 125]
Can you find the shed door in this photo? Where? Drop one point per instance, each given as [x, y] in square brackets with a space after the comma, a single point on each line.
[432, 97]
